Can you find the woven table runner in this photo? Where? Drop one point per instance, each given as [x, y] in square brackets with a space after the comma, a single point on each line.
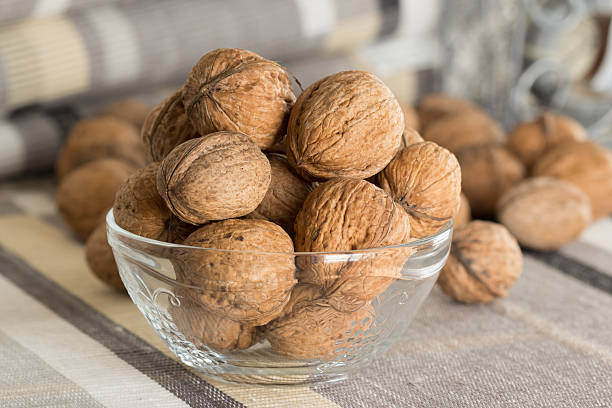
[68, 341]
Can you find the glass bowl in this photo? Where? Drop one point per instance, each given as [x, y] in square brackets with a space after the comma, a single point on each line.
[181, 313]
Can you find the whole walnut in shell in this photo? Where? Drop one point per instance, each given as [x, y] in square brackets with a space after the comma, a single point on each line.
[464, 215]
[485, 261]
[348, 124]
[344, 215]
[411, 118]
[544, 213]
[437, 106]
[101, 260]
[140, 209]
[487, 172]
[100, 138]
[529, 140]
[242, 284]
[202, 327]
[85, 195]
[166, 127]
[131, 110]
[214, 177]
[586, 165]
[318, 331]
[411, 137]
[284, 197]
[426, 180]
[466, 129]
[301, 295]
[237, 90]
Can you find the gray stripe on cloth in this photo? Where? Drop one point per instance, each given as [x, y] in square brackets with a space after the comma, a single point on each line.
[42, 139]
[26, 378]
[3, 86]
[93, 44]
[7, 205]
[130, 348]
[13, 9]
[591, 255]
[349, 9]
[390, 10]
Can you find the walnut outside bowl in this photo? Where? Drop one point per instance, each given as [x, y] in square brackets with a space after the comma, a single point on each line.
[281, 352]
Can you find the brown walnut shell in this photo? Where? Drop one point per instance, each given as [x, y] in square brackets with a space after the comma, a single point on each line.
[437, 106]
[530, 140]
[487, 172]
[86, 194]
[544, 213]
[140, 209]
[466, 129]
[101, 260]
[348, 124]
[301, 295]
[284, 197]
[246, 286]
[166, 127]
[131, 110]
[202, 327]
[238, 90]
[464, 215]
[214, 177]
[344, 215]
[586, 165]
[100, 138]
[426, 180]
[411, 118]
[318, 331]
[485, 261]
[411, 137]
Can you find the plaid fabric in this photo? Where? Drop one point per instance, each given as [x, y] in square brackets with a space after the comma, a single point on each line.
[68, 341]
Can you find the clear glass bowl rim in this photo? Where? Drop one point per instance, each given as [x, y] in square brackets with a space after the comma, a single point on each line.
[434, 241]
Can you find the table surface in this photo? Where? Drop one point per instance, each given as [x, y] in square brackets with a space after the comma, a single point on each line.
[68, 341]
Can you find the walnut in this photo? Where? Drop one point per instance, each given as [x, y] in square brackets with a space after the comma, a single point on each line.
[301, 295]
[85, 195]
[237, 90]
[484, 262]
[344, 215]
[139, 209]
[131, 110]
[345, 125]
[214, 177]
[586, 165]
[464, 215]
[411, 137]
[411, 118]
[250, 287]
[101, 260]
[426, 180]
[202, 327]
[530, 140]
[284, 197]
[544, 213]
[318, 331]
[487, 172]
[100, 138]
[437, 106]
[166, 127]
[465, 129]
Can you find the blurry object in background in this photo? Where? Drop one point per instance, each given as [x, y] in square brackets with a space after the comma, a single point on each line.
[435, 106]
[411, 118]
[132, 110]
[101, 260]
[464, 215]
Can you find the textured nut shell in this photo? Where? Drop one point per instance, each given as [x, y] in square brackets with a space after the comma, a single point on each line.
[242, 286]
[434, 107]
[200, 326]
[485, 262]
[586, 165]
[487, 172]
[345, 125]
[544, 213]
[301, 295]
[139, 209]
[166, 127]
[100, 138]
[411, 137]
[237, 90]
[218, 176]
[344, 215]
[529, 140]
[284, 197]
[466, 129]
[426, 180]
[317, 330]
[411, 118]
[85, 195]
[100, 258]
[464, 215]
[132, 110]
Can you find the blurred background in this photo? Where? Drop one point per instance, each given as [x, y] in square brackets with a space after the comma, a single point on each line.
[63, 60]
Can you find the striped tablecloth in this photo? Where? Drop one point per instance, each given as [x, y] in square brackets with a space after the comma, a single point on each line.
[68, 341]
